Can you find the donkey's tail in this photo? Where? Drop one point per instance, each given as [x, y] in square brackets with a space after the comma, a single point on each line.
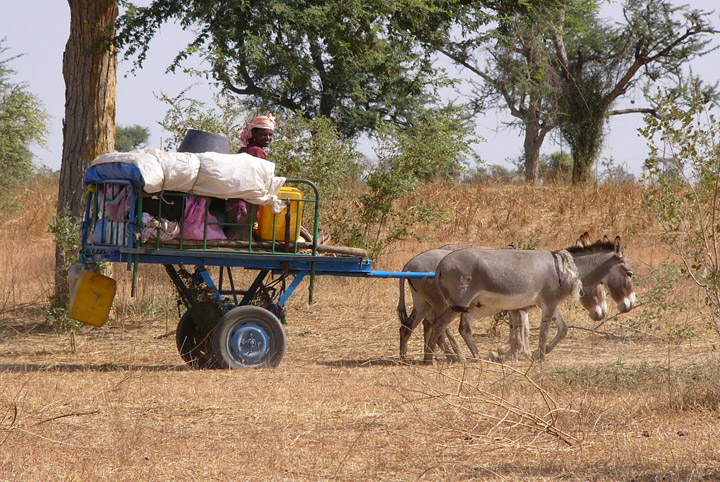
[401, 310]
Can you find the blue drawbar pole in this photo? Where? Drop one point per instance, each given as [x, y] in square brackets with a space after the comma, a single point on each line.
[400, 274]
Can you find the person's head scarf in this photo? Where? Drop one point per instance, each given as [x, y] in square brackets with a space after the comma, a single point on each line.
[262, 122]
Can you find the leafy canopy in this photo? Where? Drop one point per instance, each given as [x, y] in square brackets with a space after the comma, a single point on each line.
[132, 137]
[351, 61]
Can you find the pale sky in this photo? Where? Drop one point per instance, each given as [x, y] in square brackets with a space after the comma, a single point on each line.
[39, 29]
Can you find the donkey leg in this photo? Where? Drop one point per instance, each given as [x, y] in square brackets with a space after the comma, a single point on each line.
[524, 336]
[508, 350]
[451, 347]
[446, 341]
[516, 334]
[466, 320]
[539, 354]
[408, 326]
[562, 330]
[439, 325]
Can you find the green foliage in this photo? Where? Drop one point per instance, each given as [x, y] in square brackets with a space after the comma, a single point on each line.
[128, 138]
[606, 62]
[23, 123]
[60, 322]
[533, 241]
[351, 61]
[439, 145]
[665, 299]
[558, 64]
[314, 149]
[555, 167]
[226, 117]
[66, 231]
[688, 206]
[391, 209]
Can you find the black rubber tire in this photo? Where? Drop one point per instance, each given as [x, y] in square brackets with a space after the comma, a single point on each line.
[194, 346]
[248, 337]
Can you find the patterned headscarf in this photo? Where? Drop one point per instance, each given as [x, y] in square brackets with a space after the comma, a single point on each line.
[262, 121]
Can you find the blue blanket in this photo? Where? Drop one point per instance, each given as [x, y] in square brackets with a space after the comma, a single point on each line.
[113, 171]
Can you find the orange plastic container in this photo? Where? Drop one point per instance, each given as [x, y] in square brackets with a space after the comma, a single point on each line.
[267, 219]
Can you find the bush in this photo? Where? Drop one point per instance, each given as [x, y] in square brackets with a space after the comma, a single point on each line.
[23, 123]
[687, 204]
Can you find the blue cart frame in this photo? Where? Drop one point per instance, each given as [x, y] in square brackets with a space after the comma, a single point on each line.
[224, 325]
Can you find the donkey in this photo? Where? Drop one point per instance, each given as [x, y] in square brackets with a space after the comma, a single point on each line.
[422, 291]
[592, 298]
[487, 281]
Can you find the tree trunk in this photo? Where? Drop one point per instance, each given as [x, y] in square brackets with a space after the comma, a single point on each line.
[534, 136]
[89, 70]
[581, 170]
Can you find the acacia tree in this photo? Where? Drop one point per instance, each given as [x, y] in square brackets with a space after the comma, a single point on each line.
[556, 63]
[343, 60]
[89, 70]
[602, 63]
[512, 65]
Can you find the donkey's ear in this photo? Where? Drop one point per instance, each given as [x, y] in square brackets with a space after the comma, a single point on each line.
[618, 247]
[606, 239]
[586, 238]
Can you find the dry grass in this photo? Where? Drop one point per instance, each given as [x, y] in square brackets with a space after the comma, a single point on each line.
[622, 402]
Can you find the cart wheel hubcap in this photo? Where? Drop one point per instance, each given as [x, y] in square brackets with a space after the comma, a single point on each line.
[248, 342]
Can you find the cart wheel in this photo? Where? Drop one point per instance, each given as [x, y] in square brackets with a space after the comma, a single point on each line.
[248, 337]
[194, 346]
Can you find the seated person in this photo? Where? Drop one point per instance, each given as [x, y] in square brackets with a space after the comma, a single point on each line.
[254, 138]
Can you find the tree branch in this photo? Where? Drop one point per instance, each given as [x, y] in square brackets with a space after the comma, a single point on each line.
[635, 110]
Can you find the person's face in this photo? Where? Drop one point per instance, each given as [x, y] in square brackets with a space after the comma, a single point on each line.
[262, 137]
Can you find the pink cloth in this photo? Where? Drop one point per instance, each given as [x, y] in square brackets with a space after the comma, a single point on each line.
[119, 208]
[237, 205]
[262, 121]
[194, 224]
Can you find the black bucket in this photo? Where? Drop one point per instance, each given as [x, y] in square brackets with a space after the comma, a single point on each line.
[200, 141]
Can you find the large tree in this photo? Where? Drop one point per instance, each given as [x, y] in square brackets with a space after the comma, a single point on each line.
[339, 59]
[602, 63]
[553, 63]
[89, 70]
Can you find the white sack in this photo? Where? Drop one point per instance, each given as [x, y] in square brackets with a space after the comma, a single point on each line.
[161, 171]
[225, 176]
[239, 176]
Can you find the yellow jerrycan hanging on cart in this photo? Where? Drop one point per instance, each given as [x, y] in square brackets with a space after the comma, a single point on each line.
[91, 296]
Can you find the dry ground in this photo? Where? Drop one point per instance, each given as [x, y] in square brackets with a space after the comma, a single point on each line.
[630, 400]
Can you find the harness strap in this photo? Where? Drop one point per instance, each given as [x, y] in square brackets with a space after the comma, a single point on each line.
[557, 268]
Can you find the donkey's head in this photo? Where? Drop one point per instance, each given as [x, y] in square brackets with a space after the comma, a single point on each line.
[618, 280]
[594, 301]
[621, 287]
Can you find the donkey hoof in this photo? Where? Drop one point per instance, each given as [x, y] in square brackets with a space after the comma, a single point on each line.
[496, 357]
[538, 355]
